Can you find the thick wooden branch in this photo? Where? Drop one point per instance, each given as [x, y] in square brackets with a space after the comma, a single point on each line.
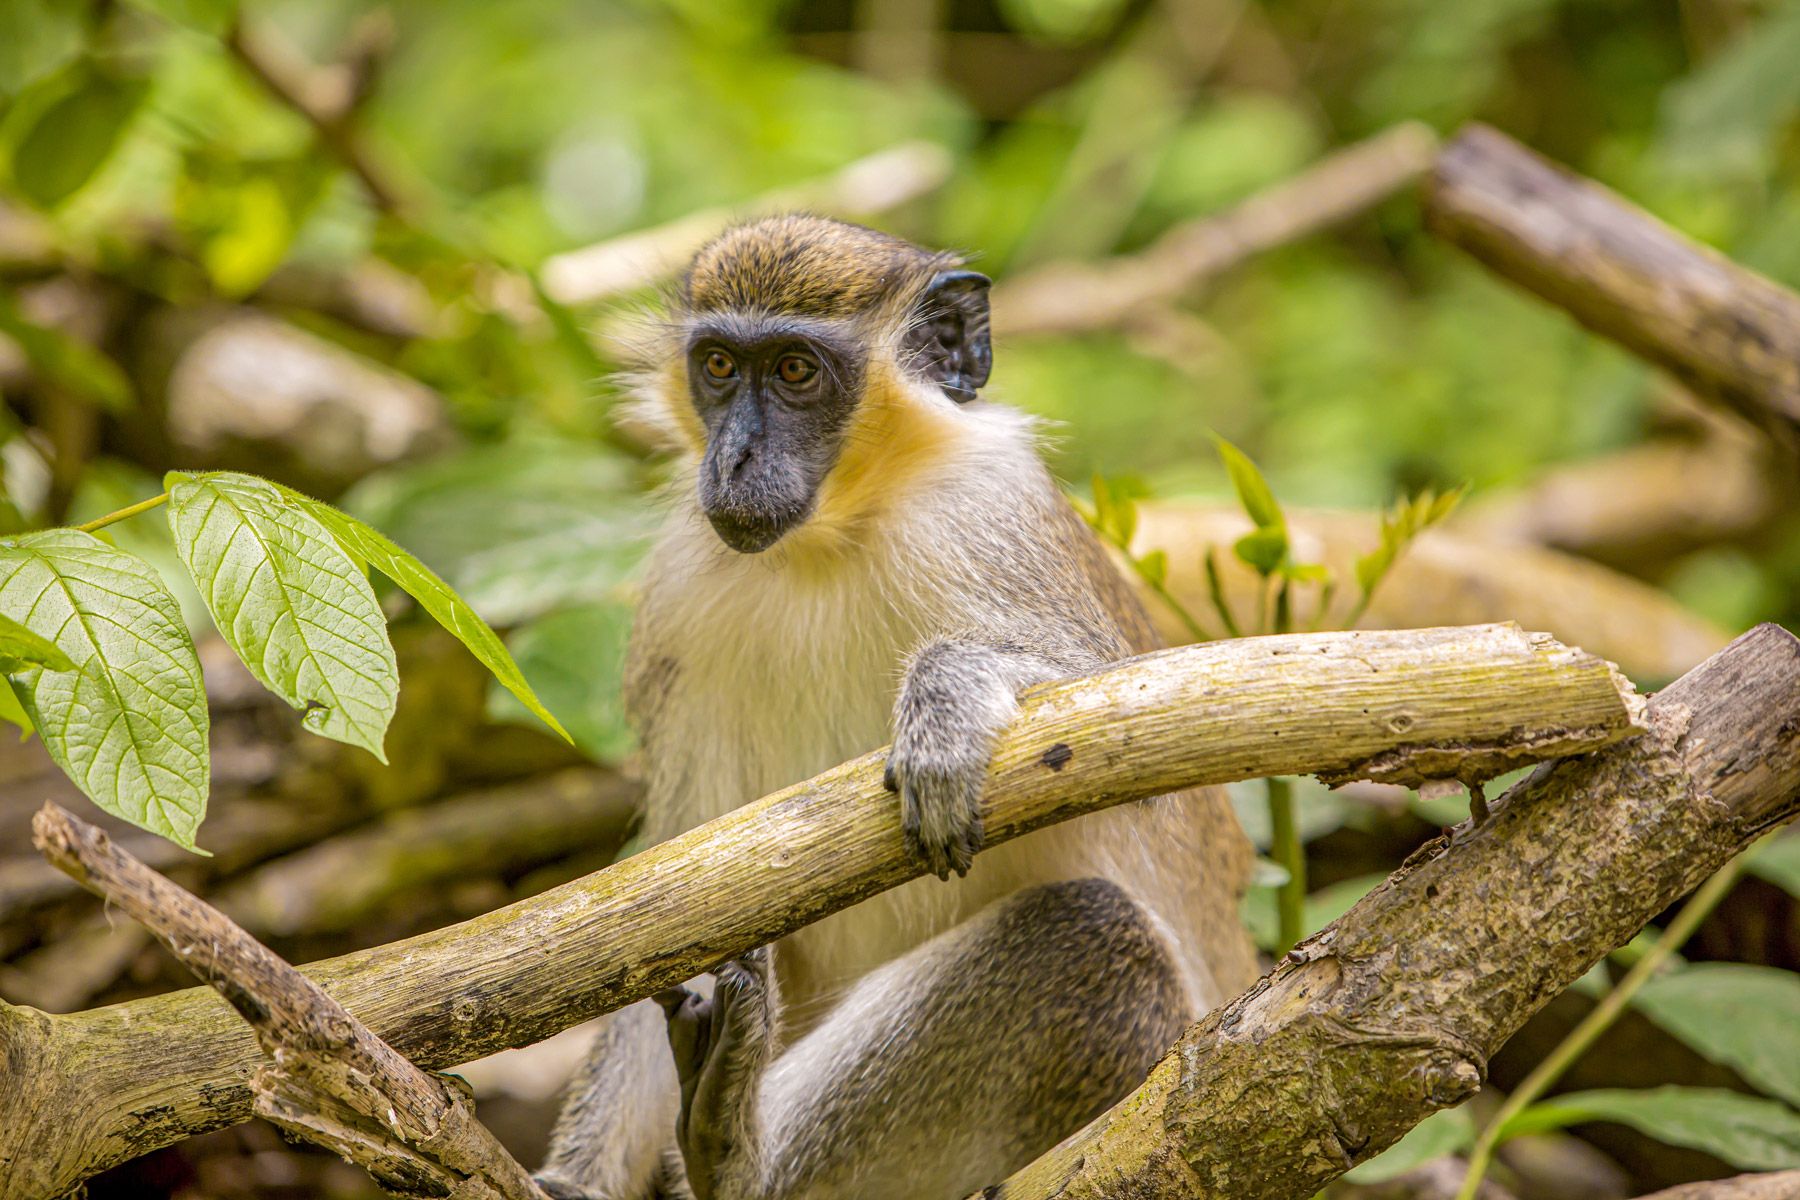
[1397, 706]
[1447, 577]
[1393, 1011]
[1082, 297]
[1722, 329]
[329, 1080]
[1776, 1185]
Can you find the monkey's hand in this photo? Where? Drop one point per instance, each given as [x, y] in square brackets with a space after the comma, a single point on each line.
[721, 1046]
[955, 700]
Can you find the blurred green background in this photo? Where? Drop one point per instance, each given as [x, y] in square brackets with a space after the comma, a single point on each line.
[328, 242]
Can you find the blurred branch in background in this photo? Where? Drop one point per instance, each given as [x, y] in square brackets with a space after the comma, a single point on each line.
[1065, 298]
[865, 188]
[1723, 330]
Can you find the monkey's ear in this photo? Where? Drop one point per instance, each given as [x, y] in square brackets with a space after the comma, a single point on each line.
[948, 341]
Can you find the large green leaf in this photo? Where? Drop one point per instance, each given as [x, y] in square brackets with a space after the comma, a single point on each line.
[435, 597]
[128, 723]
[290, 601]
[36, 38]
[1748, 1132]
[1745, 1017]
[72, 139]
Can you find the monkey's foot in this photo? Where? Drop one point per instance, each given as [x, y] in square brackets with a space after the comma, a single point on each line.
[940, 810]
[721, 1046]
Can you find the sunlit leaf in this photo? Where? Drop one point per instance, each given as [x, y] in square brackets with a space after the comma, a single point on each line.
[1264, 549]
[72, 139]
[434, 596]
[289, 600]
[36, 38]
[128, 724]
[1746, 1017]
[1750, 1133]
[1252, 489]
[252, 239]
[1444, 1132]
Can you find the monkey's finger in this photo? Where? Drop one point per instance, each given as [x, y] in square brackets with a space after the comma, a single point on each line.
[888, 779]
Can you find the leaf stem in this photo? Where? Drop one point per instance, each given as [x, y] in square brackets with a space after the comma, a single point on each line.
[1598, 1021]
[1285, 848]
[142, 506]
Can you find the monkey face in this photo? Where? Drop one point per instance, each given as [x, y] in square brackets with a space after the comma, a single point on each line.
[775, 394]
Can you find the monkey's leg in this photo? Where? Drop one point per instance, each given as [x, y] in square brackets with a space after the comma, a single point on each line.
[618, 1116]
[948, 1068]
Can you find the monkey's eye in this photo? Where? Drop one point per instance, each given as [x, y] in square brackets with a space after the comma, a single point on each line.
[719, 365]
[795, 368]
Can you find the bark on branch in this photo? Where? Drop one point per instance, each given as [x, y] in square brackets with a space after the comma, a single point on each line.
[1397, 706]
[1720, 328]
[329, 1080]
[1392, 1012]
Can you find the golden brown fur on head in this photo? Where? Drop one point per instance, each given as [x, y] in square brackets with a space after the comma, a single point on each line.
[806, 265]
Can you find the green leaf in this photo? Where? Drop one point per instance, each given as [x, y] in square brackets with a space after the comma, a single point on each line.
[289, 600]
[208, 16]
[1748, 1132]
[13, 711]
[1154, 567]
[36, 38]
[1252, 489]
[1264, 549]
[575, 660]
[1444, 1132]
[434, 596]
[1746, 1017]
[21, 649]
[66, 361]
[254, 234]
[1777, 859]
[128, 724]
[72, 139]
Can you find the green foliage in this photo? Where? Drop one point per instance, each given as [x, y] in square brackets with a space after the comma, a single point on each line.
[1777, 859]
[1746, 1017]
[289, 599]
[65, 361]
[434, 595]
[128, 724]
[74, 135]
[21, 650]
[1750, 1133]
[1400, 524]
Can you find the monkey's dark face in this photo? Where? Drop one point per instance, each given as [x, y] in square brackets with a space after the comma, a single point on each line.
[775, 394]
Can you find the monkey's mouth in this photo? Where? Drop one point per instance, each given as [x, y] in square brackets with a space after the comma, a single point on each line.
[753, 531]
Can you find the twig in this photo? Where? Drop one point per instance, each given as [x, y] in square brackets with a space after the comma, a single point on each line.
[330, 1080]
[1078, 297]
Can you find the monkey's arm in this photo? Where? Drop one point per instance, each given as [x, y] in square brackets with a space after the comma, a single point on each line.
[618, 1116]
[957, 695]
